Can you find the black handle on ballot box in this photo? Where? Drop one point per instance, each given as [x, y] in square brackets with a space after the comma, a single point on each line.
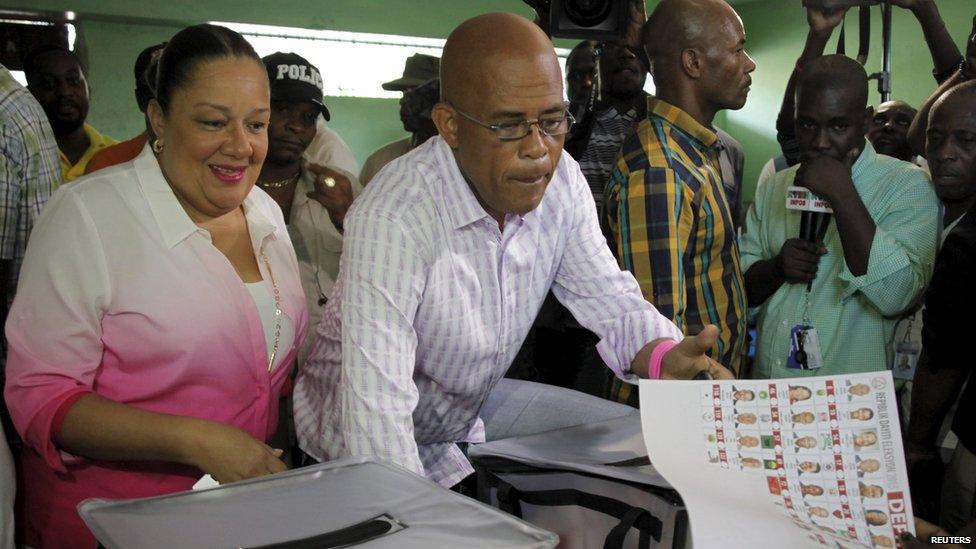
[702, 375]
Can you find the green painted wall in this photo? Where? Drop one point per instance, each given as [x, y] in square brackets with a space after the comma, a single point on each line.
[115, 31]
[776, 31]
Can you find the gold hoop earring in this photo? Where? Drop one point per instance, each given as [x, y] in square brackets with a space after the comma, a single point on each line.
[157, 145]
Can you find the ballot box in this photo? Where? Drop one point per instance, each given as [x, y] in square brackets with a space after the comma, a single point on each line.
[354, 502]
[592, 485]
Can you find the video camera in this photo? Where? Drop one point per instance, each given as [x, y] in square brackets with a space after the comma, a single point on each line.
[589, 19]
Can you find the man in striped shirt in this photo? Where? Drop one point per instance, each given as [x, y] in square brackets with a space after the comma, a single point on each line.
[622, 75]
[447, 257]
[667, 208]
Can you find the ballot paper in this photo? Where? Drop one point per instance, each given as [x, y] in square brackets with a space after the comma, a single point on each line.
[803, 462]
[206, 481]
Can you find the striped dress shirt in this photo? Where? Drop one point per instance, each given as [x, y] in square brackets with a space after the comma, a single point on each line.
[433, 302]
[608, 133]
[672, 223]
[854, 316]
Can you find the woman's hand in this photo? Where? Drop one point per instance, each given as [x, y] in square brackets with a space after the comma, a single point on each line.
[230, 454]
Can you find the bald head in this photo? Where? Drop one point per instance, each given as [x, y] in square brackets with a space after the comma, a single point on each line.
[585, 47]
[888, 129]
[502, 111]
[579, 70]
[949, 150]
[835, 74]
[677, 25]
[963, 94]
[697, 53]
[488, 46]
[896, 104]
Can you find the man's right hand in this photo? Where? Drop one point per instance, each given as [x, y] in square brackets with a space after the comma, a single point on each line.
[541, 8]
[798, 260]
[689, 357]
[969, 67]
[825, 20]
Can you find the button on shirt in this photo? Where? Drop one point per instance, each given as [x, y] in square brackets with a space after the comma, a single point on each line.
[854, 316]
[433, 302]
[318, 245]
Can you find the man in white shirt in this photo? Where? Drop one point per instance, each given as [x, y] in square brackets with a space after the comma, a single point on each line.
[447, 257]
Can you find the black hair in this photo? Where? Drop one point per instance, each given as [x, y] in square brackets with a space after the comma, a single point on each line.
[30, 60]
[145, 83]
[835, 72]
[192, 46]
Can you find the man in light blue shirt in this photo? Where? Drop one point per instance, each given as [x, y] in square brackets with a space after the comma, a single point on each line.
[876, 256]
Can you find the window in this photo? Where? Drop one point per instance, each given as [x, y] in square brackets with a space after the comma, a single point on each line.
[23, 32]
[353, 64]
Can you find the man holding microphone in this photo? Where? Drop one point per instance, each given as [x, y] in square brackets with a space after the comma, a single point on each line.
[829, 306]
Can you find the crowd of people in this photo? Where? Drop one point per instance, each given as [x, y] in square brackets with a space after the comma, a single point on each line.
[226, 293]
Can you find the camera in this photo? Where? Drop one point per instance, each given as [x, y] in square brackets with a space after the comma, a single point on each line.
[838, 4]
[589, 19]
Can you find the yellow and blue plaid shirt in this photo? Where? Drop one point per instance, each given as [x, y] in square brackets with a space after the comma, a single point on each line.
[672, 224]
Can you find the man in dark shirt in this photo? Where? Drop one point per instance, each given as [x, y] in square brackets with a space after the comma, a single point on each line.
[946, 362]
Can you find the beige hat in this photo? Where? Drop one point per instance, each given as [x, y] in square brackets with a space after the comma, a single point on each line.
[419, 69]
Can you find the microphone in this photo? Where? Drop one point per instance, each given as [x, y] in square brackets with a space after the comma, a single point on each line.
[813, 225]
[814, 217]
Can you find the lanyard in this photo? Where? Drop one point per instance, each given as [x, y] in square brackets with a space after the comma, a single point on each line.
[806, 309]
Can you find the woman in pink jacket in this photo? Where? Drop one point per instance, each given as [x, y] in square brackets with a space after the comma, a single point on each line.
[159, 306]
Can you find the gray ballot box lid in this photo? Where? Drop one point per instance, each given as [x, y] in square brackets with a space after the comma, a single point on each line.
[354, 502]
[613, 449]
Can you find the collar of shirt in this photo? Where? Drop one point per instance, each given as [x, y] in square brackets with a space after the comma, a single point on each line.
[174, 223]
[682, 121]
[463, 206]
[864, 160]
[96, 142]
[610, 113]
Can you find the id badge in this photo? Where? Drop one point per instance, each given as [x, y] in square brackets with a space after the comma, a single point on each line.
[805, 351]
[906, 359]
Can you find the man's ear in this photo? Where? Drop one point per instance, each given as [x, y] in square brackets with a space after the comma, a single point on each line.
[445, 119]
[868, 118]
[692, 62]
[156, 119]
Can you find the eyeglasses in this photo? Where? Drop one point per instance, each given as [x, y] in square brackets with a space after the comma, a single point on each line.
[551, 125]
